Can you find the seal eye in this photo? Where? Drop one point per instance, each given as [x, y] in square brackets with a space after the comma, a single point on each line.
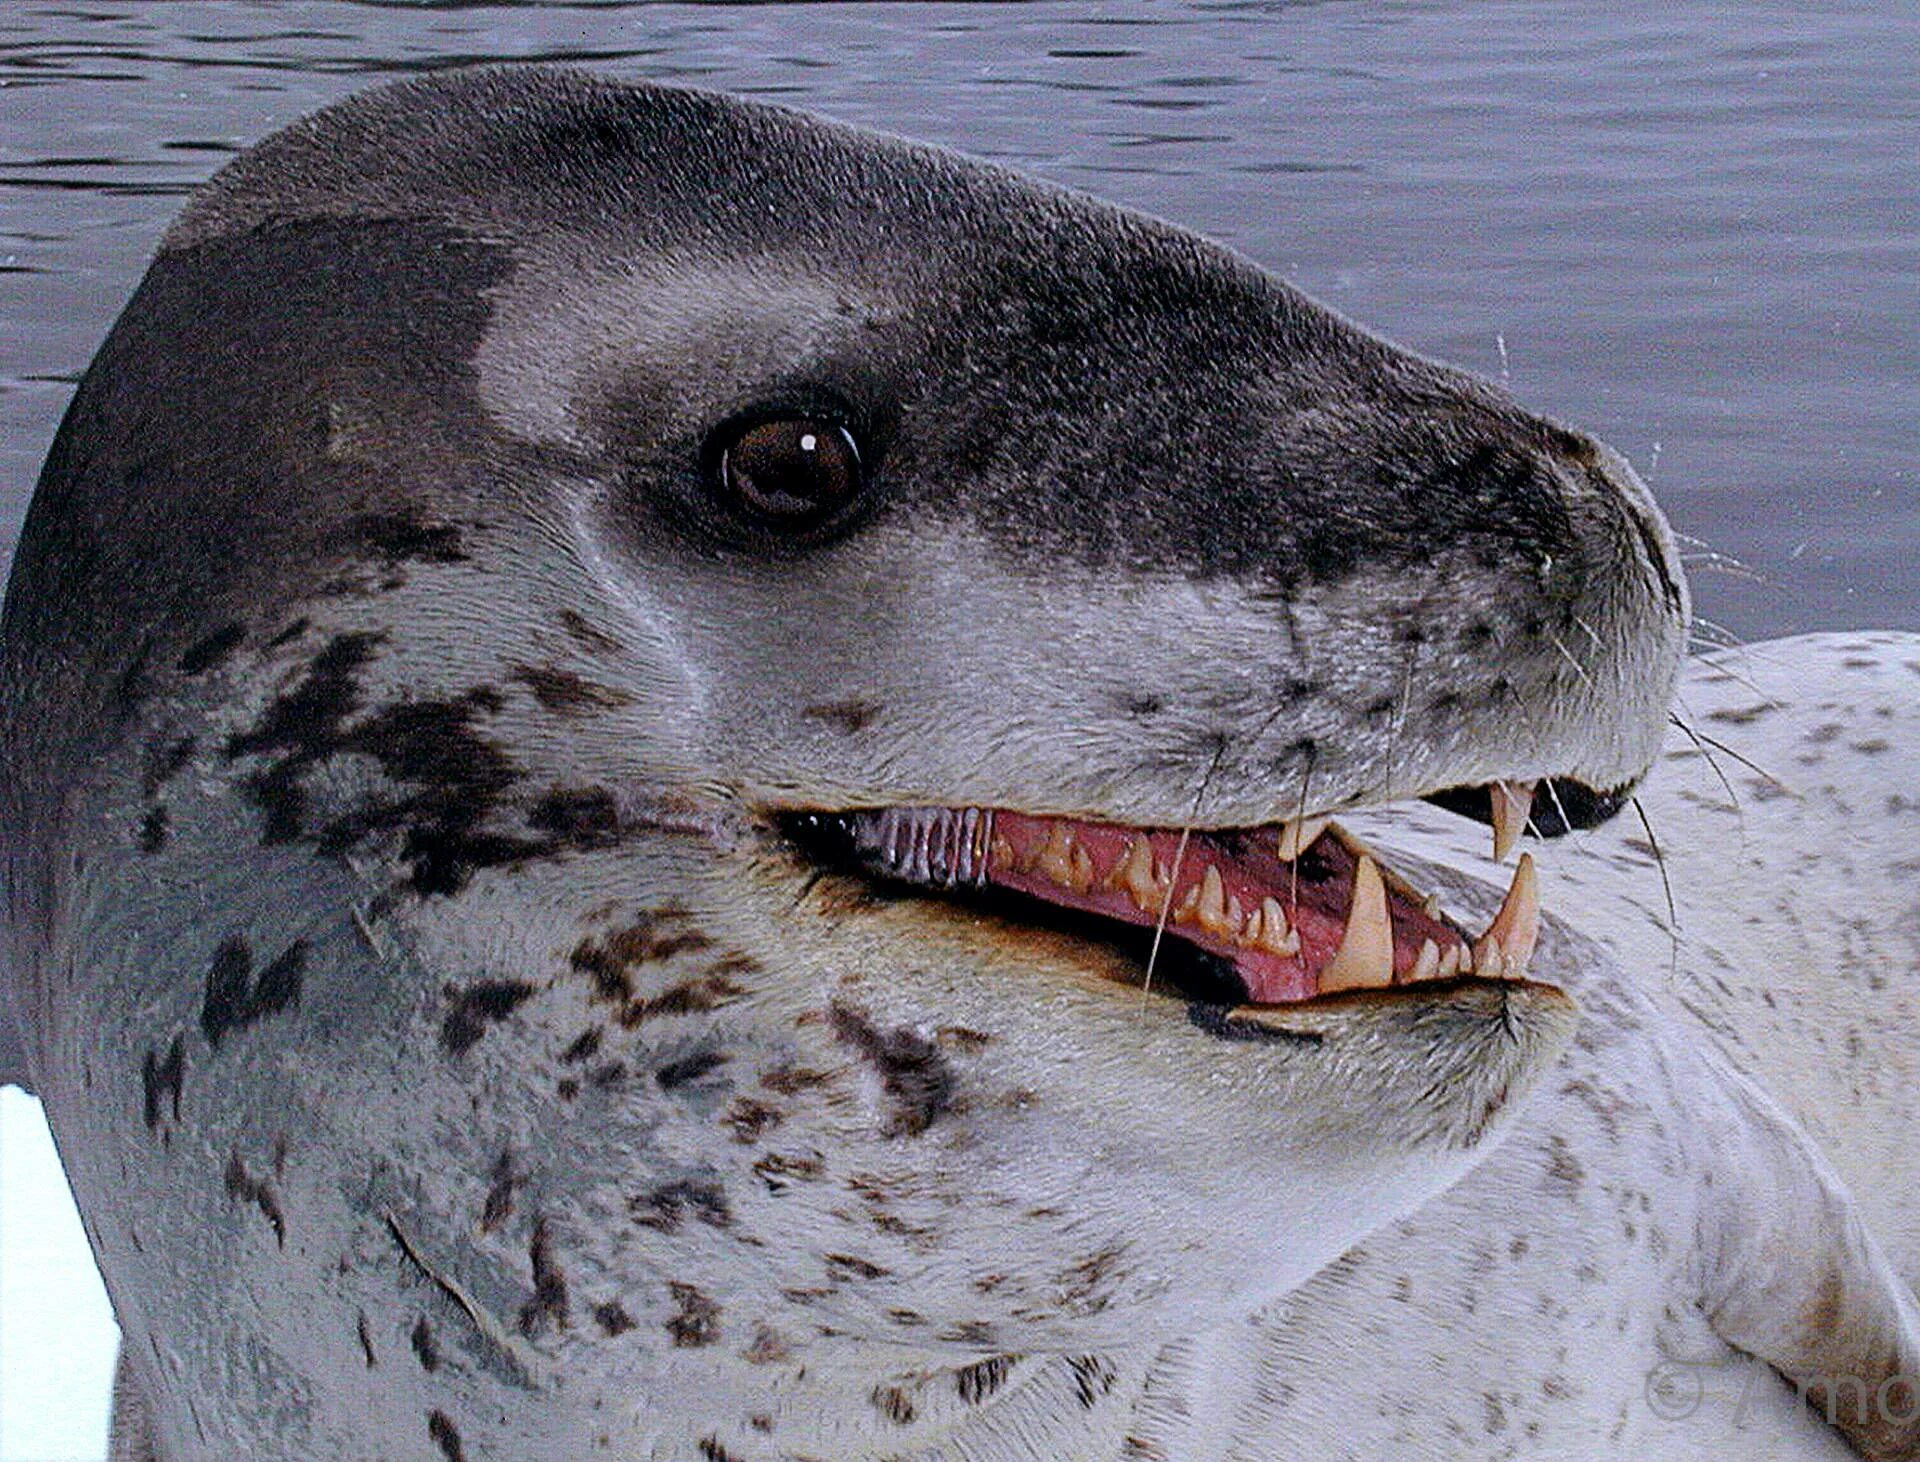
[791, 471]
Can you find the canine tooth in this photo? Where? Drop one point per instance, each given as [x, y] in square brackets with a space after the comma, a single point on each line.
[1512, 805]
[1211, 912]
[1366, 950]
[1275, 936]
[1297, 836]
[1508, 943]
[1426, 964]
[1056, 858]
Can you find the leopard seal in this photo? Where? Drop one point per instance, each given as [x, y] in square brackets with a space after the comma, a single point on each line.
[665, 793]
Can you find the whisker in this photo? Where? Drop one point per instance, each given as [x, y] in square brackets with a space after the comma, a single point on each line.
[1567, 655]
[1179, 856]
[1701, 746]
[1666, 884]
[1747, 762]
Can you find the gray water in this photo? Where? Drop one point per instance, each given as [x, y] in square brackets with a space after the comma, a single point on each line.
[1692, 228]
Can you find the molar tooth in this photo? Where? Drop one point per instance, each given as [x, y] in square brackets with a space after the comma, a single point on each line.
[1508, 943]
[1276, 936]
[1137, 875]
[1426, 964]
[1056, 858]
[1080, 869]
[1000, 851]
[1512, 805]
[1366, 950]
[1298, 835]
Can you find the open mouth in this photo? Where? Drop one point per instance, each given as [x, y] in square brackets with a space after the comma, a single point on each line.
[1269, 915]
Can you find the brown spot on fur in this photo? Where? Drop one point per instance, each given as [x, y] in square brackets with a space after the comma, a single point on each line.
[549, 1303]
[291, 633]
[847, 717]
[847, 1266]
[499, 1205]
[399, 537]
[233, 1000]
[163, 1077]
[477, 1006]
[242, 1184]
[776, 1167]
[960, 1038]
[586, 634]
[750, 1118]
[423, 1345]
[688, 1068]
[712, 1451]
[977, 1382]
[913, 1073]
[154, 828]
[612, 960]
[612, 1318]
[693, 996]
[577, 818]
[584, 1047]
[792, 1080]
[769, 1346]
[366, 1339]
[1093, 1378]
[566, 693]
[446, 1436]
[697, 1320]
[214, 649]
[662, 1208]
[164, 761]
[893, 1403]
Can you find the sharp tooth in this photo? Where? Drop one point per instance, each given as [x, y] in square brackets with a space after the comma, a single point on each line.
[1137, 875]
[1426, 965]
[1366, 951]
[1056, 858]
[1211, 912]
[1297, 836]
[1237, 919]
[1512, 804]
[1430, 906]
[1080, 870]
[1275, 936]
[1450, 960]
[1507, 945]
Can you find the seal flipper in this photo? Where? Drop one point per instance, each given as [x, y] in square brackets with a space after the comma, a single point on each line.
[1792, 1275]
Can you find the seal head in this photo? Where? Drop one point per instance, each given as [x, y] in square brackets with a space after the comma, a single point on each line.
[520, 551]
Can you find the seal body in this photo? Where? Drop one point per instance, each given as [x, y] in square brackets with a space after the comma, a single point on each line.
[413, 670]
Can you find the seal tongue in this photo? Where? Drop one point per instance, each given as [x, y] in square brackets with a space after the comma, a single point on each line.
[1295, 926]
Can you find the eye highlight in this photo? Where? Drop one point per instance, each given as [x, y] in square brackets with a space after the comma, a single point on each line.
[787, 472]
